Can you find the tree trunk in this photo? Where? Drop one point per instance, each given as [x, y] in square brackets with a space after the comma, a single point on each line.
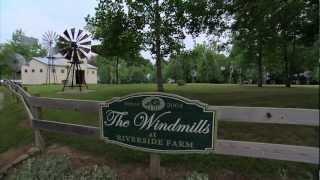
[117, 70]
[292, 59]
[240, 76]
[286, 65]
[260, 73]
[157, 47]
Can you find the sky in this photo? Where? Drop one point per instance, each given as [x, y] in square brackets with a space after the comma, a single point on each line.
[35, 17]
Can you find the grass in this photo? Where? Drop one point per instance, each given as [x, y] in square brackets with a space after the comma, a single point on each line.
[213, 94]
[13, 130]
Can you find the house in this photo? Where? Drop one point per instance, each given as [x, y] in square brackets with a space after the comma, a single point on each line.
[36, 71]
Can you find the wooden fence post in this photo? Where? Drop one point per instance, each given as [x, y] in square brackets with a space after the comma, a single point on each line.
[38, 139]
[155, 169]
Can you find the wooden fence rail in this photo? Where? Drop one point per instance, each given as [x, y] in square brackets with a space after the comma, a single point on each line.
[306, 117]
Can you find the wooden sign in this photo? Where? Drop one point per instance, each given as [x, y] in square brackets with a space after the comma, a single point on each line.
[158, 122]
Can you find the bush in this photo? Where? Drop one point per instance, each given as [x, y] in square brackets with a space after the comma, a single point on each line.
[59, 167]
[197, 176]
[181, 82]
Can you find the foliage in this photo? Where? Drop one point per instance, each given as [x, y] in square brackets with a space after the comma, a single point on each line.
[202, 64]
[17, 46]
[13, 123]
[181, 82]
[52, 167]
[197, 176]
[272, 32]
[26, 50]
[95, 173]
[5, 70]
[113, 28]
[59, 167]
[159, 25]
[138, 71]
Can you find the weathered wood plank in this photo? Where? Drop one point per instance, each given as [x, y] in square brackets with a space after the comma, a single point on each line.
[309, 117]
[66, 128]
[294, 116]
[66, 104]
[268, 151]
[38, 138]
[25, 103]
[225, 147]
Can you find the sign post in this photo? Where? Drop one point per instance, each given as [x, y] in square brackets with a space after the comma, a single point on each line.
[158, 123]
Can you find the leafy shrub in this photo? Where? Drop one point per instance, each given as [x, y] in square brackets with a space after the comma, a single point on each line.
[52, 167]
[94, 172]
[197, 176]
[181, 82]
[59, 167]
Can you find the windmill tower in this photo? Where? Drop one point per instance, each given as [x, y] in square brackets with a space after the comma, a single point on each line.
[49, 39]
[75, 46]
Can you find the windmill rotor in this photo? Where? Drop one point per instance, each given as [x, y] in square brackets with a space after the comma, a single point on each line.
[74, 44]
[49, 39]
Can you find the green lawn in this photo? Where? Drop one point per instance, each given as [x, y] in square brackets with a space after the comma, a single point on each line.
[13, 120]
[213, 94]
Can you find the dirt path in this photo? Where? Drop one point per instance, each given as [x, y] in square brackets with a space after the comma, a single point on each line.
[11, 155]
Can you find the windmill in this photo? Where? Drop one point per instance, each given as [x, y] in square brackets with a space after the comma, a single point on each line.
[49, 39]
[74, 45]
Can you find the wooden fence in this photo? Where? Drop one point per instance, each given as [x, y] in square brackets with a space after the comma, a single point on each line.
[293, 116]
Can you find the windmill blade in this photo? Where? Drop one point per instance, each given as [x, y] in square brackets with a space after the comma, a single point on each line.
[85, 49]
[84, 37]
[72, 32]
[81, 54]
[79, 33]
[46, 35]
[86, 43]
[54, 36]
[63, 39]
[69, 55]
[63, 52]
[66, 33]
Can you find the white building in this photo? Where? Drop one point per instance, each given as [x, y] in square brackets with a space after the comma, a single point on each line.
[35, 71]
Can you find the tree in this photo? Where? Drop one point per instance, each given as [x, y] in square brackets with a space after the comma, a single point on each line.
[275, 29]
[4, 68]
[27, 50]
[9, 50]
[253, 29]
[161, 23]
[113, 28]
[203, 60]
[297, 24]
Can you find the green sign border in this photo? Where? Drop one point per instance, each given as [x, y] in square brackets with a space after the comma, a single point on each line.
[161, 94]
